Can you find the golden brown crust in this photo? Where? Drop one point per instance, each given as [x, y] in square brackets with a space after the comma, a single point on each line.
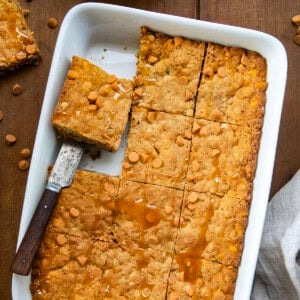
[230, 153]
[233, 86]
[17, 42]
[168, 72]
[93, 106]
[161, 142]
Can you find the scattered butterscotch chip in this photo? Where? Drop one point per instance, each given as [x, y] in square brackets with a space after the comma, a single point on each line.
[30, 49]
[52, 23]
[144, 157]
[72, 74]
[188, 95]
[182, 80]
[151, 116]
[25, 153]
[297, 39]
[180, 141]
[1, 115]
[74, 212]
[222, 72]
[196, 127]
[61, 239]
[195, 166]
[152, 59]
[133, 157]
[92, 96]
[296, 20]
[25, 12]
[178, 41]
[82, 260]
[168, 209]
[23, 164]
[193, 197]
[157, 163]
[21, 55]
[17, 89]
[10, 139]
[215, 152]
[115, 86]
[92, 107]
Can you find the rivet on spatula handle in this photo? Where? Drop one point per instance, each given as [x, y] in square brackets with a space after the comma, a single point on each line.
[24, 257]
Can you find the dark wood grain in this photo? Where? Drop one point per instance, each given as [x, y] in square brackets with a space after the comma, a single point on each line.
[21, 113]
[273, 17]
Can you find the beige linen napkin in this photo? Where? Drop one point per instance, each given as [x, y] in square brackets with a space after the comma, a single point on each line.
[278, 267]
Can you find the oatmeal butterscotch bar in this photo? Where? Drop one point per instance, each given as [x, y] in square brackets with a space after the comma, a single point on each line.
[85, 208]
[168, 72]
[93, 106]
[17, 42]
[158, 147]
[207, 280]
[212, 228]
[223, 159]
[233, 86]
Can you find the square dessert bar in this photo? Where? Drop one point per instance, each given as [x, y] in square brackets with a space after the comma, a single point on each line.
[93, 106]
[212, 228]
[168, 72]
[209, 280]
[158, 148]
[85, 208]
[233, 86]
[17, 42]
[223, 159]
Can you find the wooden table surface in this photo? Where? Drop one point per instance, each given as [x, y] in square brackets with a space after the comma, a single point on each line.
[21, 113]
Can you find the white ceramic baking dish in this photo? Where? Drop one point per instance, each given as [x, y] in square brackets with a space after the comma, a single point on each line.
[108, 36]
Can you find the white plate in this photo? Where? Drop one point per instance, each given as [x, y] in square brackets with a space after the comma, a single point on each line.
[108, 36]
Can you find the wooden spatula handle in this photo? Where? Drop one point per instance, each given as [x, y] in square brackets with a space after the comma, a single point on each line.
[23, 259]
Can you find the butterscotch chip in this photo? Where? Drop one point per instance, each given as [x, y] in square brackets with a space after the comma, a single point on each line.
[81, 119]
[193, 197]
[151, 116]
[21, 55]
[182, 80]
[61, 239]
[115, 86]
[74, 212]
[296, 20]
[178, 41]
[23, 164]
[195, 166]
[17, 89]
[168, 209]
[180, 141]
[208, 71]
[188, 95]
[152, 59]
[52, 23]
[72, 74]
[157, 163]
[82, 260]
[133, 157]
[92, 96]
[215, 152]
[196, 127]
[30, 49]
[222, 72]
[109, 187]
[297, 39]
[10, 139]
[25, 153]
[144, 157]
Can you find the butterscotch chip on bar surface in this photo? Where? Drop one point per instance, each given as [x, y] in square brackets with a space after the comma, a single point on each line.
[212, 228]
[86, 207]
[91, 108]
[206, 280]
[223, 159]
[17, 42]
[232, 87]
[168, 72]
[153, 155]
